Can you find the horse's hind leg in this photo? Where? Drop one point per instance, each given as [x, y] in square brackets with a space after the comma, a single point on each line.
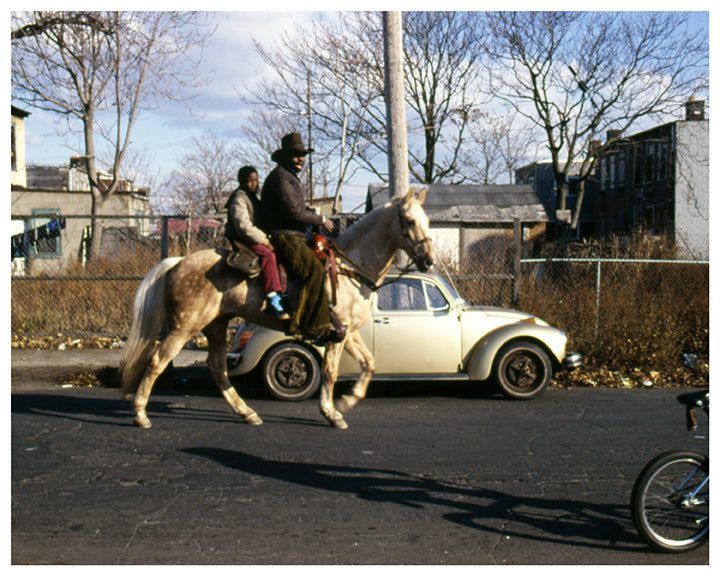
[159, 359]
[216, 333]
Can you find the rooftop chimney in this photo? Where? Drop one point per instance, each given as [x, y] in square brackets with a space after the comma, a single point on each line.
[694, 109]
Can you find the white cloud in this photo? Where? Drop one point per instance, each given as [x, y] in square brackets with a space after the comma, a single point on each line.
[230, 63]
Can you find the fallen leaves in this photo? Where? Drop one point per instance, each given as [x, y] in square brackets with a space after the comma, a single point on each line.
[103, 378]
[60, 342]
[604, 376]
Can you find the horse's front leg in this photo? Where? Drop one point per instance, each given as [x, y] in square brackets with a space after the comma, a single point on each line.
[357, 349]
[331, 363]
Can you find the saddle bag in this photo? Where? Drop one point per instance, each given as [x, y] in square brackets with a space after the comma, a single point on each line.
[243, 259]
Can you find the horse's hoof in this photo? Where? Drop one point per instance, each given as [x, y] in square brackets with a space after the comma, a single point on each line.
[142, 421]
[339, 423]
[253, 419]
[346, 403]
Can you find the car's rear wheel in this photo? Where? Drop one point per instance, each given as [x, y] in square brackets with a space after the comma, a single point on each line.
[291, 372]
[522, 370]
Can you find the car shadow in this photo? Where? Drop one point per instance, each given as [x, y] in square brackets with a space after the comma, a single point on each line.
[433, 388]
[548, 520]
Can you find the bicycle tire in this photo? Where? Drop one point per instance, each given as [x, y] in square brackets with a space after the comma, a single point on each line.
[671, 501]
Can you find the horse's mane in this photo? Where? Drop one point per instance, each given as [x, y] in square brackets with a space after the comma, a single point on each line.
[366, 223]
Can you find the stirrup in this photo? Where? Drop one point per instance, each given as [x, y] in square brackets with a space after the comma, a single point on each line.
[274, 306]
[338, 327]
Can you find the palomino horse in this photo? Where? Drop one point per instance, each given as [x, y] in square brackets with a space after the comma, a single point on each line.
[200, 292]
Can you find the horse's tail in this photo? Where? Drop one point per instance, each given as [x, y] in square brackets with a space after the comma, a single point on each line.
[147, 323]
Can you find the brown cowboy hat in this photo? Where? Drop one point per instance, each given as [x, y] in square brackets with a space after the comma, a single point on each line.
[290, 143]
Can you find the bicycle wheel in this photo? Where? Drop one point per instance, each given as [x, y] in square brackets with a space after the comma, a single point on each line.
[671, 501]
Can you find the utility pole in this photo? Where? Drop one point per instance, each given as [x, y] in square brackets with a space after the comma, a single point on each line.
[395, 104]
[309, 144]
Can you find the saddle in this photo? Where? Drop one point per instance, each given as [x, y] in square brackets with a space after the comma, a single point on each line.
[243, 259]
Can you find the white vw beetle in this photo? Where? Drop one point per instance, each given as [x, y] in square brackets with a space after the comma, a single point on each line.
[420, 329]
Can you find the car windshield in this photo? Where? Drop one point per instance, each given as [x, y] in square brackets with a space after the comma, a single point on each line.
[453, 293]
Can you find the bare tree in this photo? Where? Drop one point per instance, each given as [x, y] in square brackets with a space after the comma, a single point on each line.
[262, 131]
[495, 145]
[326, 85]
[333, 74]
[99, 69]
[206, 176]
[442, 52]
[577, 76]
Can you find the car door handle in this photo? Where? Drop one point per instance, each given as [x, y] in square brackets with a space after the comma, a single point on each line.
[383, 320]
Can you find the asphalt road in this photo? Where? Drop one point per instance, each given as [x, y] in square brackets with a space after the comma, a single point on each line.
[438, 475]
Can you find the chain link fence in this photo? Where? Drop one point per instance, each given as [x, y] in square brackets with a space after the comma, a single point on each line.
[623, 312]
[57, 290]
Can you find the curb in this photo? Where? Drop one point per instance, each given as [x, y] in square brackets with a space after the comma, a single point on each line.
[42, 368]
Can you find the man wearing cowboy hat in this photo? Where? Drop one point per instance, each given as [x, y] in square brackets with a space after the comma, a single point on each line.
[285, 217]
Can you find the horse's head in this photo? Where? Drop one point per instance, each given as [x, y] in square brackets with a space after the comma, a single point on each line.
[415, 230]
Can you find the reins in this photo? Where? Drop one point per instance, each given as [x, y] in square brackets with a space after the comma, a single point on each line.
[364, 277]
[360, 274]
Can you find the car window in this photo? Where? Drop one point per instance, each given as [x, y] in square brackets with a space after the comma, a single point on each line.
[435, 297]
[404, 294]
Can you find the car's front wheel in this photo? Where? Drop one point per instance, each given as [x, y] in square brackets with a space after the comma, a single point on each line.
[522, 370]
[291, 372]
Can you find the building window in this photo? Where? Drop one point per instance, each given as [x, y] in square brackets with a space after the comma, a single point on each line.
[650, 163]
[46, 234]
[573, 185]
[663, 149]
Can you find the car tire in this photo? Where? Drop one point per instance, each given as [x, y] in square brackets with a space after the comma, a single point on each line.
[522, 370]
[291, 372]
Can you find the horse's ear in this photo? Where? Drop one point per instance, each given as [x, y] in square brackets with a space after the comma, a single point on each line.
[421, 196]
[409, 196]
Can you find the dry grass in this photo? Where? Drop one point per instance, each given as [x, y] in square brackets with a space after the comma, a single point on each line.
[649, 316]
[86, 300]
[650, 323]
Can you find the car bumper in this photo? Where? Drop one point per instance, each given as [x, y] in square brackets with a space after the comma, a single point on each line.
[572, 360]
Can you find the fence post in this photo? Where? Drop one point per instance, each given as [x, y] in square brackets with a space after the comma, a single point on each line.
[598, 274]
[26, 247]
[517, 237]
[164, 238]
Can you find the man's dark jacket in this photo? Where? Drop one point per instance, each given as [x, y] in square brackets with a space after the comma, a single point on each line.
[282, 204]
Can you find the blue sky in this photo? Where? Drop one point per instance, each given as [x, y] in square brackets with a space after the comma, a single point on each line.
[228, 61]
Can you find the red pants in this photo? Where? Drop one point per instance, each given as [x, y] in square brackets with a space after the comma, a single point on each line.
[268, 264]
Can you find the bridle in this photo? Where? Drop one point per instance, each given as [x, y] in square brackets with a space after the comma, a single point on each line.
[415, 244]
[363, 277]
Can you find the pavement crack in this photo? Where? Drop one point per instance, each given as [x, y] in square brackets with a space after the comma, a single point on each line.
[582, 416]
[501, 536]
[152, 518]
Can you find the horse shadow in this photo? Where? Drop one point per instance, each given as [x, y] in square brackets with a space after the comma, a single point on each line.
[113, 411]
[547, 520]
